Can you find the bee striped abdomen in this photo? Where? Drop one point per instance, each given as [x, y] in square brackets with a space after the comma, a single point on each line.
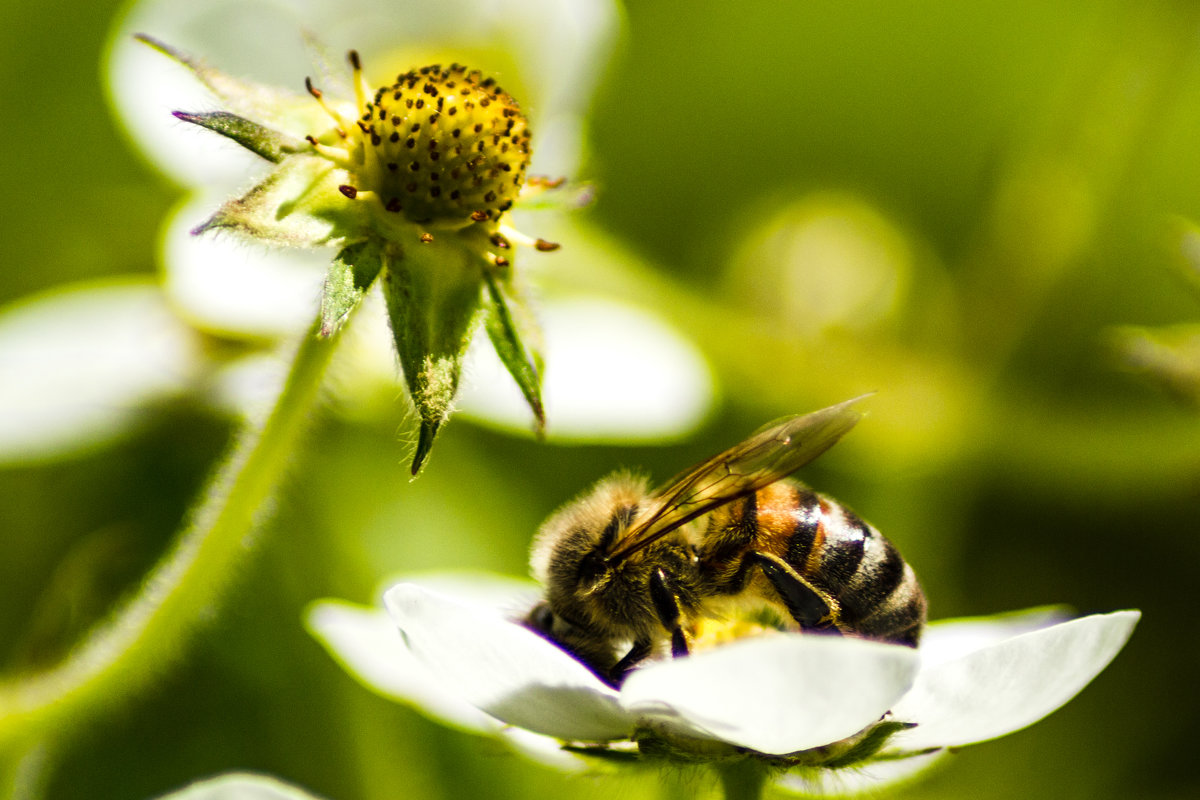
[852, 566]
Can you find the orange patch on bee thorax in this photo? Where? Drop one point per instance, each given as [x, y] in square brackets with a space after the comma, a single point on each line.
[776, 518]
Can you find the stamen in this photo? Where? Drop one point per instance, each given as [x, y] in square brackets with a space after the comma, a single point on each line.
[360, 195]
[337, 155]
[361, 90]
[319, 96]
[514, 235]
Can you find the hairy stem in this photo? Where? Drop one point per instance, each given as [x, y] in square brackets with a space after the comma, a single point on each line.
[742, 780]
[151, 627]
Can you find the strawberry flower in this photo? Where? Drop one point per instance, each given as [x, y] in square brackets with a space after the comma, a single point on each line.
[548, 53]
[807, 708]
[411, 183]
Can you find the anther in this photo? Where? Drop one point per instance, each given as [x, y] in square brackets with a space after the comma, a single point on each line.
[361, 90]
[348, 190]
[426, 238]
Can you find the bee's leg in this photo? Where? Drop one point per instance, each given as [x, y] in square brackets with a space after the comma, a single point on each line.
[639, 651]
[812, 609]
[666, 606]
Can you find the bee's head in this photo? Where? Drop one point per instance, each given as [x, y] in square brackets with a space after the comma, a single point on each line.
[570, 550]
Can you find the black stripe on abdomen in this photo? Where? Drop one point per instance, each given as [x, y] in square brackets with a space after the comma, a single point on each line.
[842, 550]
[879, 573]
[807, 516]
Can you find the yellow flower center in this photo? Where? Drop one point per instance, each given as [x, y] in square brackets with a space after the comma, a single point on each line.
[444, 143]
[439, 146]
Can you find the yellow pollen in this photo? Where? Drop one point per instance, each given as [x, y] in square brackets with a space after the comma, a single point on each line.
[441, 144]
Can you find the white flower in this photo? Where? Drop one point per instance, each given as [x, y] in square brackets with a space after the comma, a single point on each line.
[240, 786]
[453, 649]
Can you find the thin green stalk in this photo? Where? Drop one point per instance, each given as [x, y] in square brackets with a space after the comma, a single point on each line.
[152, 627]
[742, 780]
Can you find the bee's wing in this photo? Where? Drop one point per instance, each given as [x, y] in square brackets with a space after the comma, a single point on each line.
[770, 454]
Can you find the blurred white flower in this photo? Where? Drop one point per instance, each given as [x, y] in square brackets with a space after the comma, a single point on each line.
[240, 786]
[453, 649]
[547, 53]
[76, 365]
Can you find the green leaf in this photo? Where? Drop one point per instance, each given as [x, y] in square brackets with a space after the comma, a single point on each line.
[258, 139]
[297, 205]
[517, 340]
[349, 277]
[433, 295]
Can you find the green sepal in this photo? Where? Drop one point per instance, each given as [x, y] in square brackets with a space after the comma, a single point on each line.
[433, 295]
[349, 277]
[605, 753]
[266, 104]
[517, 338]
[297, 205]
[864, 747]
[258, 139]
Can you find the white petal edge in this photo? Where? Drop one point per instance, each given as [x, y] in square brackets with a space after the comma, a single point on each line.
[505, 669]
[776, 694]
[868, 778]
[1009, 685]
[595, 350]
[77, 363]
[509, 596]
[367, 644]
[946, 639]
[240, 786]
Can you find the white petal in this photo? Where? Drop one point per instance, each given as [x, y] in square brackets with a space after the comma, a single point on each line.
[952, 638]
[76, 364]
[145, 86]
[249, 386]
[505, 594]
[505, 669]
[558, 48]
[240, 786]
[368, 645]
[366, 642]
[613, 373]
[866, 779]
[776, 694]
[230, 285]
[1004, 687]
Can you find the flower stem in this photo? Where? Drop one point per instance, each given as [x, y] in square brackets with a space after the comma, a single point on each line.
[742, 780]
[151, 627]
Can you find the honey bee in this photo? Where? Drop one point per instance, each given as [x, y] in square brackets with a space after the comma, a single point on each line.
[631, 573]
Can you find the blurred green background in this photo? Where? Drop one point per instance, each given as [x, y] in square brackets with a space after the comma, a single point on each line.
[1014, 172]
